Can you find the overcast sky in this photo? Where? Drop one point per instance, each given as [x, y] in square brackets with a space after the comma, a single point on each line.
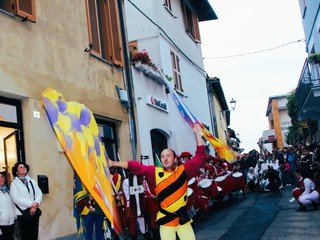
[244, 27]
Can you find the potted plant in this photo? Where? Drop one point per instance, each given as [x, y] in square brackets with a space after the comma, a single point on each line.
[314, 58]
[141, 60]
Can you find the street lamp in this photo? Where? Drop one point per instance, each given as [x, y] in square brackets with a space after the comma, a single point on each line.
[233, 104]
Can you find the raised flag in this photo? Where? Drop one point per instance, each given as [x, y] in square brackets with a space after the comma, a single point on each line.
[78, 133]
[222, 148]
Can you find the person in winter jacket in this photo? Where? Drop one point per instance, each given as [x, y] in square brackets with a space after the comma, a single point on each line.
[26, 194]
[7, 211]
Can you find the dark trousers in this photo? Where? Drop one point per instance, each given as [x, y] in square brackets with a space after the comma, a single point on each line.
[274, 185]
[7, 232]
[28, 229]
[251, 185]
[286, 177]
[94, 221]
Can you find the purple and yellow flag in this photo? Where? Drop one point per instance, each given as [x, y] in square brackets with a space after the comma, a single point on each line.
[77, 131]
[222, 148]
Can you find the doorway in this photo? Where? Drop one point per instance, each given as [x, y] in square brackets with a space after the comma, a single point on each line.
[158, 142]
[11, 143]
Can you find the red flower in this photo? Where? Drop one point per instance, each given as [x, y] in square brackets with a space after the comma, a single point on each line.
[141, 56]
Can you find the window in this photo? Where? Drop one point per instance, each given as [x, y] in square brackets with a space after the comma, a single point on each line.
[175, 61]
[107, 132]
[167, 3]
[23, 8]
[192, 23]
[104, 30]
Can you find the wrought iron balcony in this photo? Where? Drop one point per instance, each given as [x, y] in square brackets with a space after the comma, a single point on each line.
[308, 92]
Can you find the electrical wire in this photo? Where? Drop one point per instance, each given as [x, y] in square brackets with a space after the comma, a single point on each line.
[219, 57]
[255, 52]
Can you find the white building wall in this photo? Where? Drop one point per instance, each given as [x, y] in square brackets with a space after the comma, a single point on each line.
[282, 102]
[157, 44]
[285, 123]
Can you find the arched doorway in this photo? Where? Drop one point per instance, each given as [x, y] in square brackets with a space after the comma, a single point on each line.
[158, 142]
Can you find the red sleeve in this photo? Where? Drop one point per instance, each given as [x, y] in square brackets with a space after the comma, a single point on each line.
[82, 203]
[192, 166]
[137, 168]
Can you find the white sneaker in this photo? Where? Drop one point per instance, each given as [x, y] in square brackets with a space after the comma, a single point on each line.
[292, 200]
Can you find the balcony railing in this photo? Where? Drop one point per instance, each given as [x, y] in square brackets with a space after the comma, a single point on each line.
[308, 80]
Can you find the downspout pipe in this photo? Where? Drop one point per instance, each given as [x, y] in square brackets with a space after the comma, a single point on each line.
[128, 79]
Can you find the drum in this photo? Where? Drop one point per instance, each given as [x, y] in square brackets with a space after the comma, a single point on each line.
[192, 183]
[240, 181]
[204, 204]
[191, 198]
[237, 175]
[209, 188]
[205, 185]
[231, 183]
[222, 183]
[220, 179]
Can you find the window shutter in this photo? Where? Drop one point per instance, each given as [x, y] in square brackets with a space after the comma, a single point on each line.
[196, 27]
[26, 8]
[93, 29]
[115, 29]
[176, 71]
[179, 74]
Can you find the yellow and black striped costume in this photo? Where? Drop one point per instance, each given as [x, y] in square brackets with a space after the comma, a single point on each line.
[171, 190]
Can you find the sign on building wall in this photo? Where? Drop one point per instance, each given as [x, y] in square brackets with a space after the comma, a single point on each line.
[157, 103]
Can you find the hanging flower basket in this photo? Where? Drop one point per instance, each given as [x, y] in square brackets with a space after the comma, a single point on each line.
[141, 66]
[143, 57]
[150, 72]
[156, 75]
[143, 63]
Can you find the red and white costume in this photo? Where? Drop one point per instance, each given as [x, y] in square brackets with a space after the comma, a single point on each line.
[310, 193]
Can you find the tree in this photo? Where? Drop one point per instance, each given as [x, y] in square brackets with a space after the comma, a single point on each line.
[298, 129]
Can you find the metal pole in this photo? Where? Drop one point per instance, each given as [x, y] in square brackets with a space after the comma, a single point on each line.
[129, 81]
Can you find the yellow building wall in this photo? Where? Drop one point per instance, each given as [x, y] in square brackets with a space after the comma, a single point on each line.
[277, 123]
[221, 123]
[50, 53]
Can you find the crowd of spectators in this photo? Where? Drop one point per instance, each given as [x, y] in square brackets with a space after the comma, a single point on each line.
[273, 170]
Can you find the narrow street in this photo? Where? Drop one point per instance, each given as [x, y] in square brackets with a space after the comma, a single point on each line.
[257, 216]
[260, 216]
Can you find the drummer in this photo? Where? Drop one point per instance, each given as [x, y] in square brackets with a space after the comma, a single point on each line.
[185, 156]
[225, 167]
[210, 168]
[220, 169]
